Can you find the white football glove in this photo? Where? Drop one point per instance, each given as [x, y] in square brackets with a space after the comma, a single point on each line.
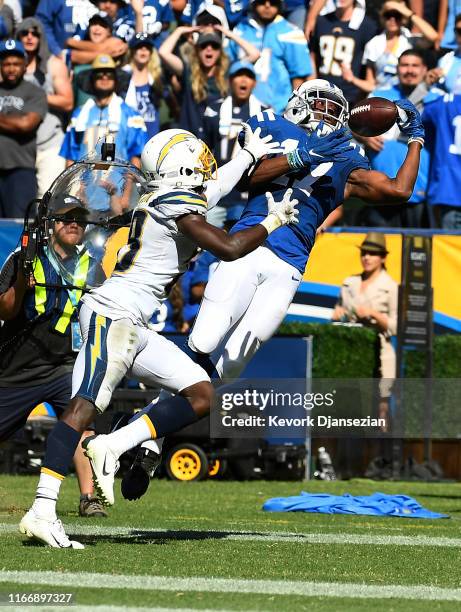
[256, 146]
[280, 213]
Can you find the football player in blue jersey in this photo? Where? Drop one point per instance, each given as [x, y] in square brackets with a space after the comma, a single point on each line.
[246, 300]
[251, 296]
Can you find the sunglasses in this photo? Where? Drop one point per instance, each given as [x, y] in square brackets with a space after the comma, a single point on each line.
[213, 45]
[23, 33]
[69, 220]
[392, 14]
[271, 2]
[458, 31]
[364, 252]
[108, 74]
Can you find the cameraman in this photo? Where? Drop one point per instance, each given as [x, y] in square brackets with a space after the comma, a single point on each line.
[40, 333]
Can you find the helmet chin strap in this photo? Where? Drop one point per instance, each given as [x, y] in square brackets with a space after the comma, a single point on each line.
[319, 127]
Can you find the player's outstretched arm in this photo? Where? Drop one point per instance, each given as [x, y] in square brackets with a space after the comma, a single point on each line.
[254, 148]
[377, 187]
[311, 152]
[229, 247]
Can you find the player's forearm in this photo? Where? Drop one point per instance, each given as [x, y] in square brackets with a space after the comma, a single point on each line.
[270, 169]
[227, 178]
[405, 179]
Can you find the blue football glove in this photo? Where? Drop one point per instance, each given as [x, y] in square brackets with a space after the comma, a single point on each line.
[409, 122]
[321, 149]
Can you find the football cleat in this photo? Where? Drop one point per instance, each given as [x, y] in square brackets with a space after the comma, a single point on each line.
[47, 531]
[136, 480]
[91, 507]
[104, 465]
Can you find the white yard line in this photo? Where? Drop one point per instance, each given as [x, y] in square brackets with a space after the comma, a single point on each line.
[253, 536]
[230, 585]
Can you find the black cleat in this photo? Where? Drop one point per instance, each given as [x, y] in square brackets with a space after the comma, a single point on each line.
[135, 481]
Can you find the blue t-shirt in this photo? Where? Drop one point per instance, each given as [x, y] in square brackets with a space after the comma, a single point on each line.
[319, 191]
[284, 56]
[442, 121]
[147, 110]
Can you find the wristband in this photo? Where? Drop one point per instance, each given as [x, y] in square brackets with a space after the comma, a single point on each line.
[271, 223]
[294, 160]
[416, 139]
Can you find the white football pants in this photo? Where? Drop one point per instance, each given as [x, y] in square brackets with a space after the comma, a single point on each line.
[244, 303]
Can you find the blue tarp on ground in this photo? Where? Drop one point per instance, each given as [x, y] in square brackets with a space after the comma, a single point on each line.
[377, 504]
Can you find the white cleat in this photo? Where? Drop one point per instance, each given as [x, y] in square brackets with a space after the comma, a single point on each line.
[104, 465]
[49, 532]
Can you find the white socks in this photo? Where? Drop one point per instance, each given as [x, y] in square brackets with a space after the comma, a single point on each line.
[154, 445]
[129, 436]
[46, 496]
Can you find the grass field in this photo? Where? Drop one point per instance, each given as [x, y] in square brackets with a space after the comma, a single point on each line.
[209, 546]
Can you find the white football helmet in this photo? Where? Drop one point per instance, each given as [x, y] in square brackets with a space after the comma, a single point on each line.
[177, 158]
[317, 101]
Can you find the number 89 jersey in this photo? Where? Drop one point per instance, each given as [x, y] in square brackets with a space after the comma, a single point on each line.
[154, 257]
[319, 191]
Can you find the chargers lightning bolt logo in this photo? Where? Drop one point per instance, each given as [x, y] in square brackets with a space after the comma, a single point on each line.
[95, 347]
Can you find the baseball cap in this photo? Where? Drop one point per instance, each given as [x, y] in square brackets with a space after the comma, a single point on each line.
[209, 37]
[141, 39]
[101, 18]
[64, 203]
[241, 67]
[212, 10]
[103, 62]
[12, 47]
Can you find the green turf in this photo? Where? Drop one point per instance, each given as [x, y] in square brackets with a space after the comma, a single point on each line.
[193, 511]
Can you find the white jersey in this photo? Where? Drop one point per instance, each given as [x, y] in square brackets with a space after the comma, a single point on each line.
[156, 254]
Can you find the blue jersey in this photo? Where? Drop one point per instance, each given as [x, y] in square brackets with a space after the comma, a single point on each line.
[450, 63]
[284, 56]
[319, 191]
[442, 122]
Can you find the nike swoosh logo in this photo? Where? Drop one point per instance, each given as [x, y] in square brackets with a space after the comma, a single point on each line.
[312, 152]
[293, 277]
[104, 473]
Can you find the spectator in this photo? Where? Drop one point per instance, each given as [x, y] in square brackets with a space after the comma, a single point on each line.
[382, 52]
[50, 73]
[123, 23]
[339, 40]
[152, 17]
[448, 13]
[36, 346]
[106, 114]
[387, 152]
[97, 40]
[204, 74]
[145, 88]
[170, 316]
[23, 106]
[370, 298]
[61, 19]
[94, 40]
[284, 61]
[7, 21]
[443, 136]
[222, 123]
[448, 72]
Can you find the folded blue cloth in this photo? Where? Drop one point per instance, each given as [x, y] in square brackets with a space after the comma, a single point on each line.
[377, 504]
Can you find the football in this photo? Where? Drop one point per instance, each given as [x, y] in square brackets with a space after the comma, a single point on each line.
[372, 117]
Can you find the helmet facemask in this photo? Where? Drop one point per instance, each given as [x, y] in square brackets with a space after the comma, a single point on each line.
[317, 109]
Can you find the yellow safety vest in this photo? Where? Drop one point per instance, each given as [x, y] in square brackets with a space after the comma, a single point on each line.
[80, 276]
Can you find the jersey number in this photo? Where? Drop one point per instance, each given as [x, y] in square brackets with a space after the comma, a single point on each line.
[334, 51]
[128, 253]
[455, 148]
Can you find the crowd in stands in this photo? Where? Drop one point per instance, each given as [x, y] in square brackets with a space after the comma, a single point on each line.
[73, 71]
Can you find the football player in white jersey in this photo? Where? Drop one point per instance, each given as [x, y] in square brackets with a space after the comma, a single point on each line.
[167, 227]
